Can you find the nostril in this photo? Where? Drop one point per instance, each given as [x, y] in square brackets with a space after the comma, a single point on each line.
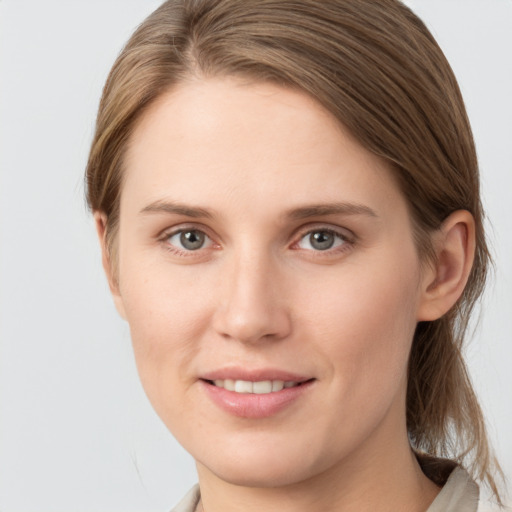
[263, 322]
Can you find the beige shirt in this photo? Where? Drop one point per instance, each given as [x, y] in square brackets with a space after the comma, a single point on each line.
[459, 494]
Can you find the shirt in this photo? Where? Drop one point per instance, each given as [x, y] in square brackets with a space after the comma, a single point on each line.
[459, 494]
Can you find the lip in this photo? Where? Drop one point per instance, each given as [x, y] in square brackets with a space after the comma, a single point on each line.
[249, 405]
[254, 375]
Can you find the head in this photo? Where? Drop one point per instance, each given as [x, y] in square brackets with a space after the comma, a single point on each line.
[374, 72]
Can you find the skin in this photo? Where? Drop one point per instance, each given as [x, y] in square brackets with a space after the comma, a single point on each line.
[258, 294]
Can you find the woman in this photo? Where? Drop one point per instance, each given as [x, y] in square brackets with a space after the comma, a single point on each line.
[287, 198]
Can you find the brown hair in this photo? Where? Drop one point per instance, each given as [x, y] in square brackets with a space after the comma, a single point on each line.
[375, 66]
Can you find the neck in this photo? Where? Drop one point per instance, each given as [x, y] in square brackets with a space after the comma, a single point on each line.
[381, 475]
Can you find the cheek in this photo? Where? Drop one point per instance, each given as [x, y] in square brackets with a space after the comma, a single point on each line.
[365, 324]
[167, 317]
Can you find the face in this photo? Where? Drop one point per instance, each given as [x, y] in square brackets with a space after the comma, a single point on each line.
[269, 276]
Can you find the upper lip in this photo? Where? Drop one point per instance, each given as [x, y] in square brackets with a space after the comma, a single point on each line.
[253, 375]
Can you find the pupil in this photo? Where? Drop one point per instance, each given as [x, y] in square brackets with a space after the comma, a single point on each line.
[321, 240]
[192, 239]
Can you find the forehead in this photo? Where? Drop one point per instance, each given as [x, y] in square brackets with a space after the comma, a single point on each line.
[222, 142]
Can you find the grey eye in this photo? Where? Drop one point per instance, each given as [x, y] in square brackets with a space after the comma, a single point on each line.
[189, 240]
[321, 240]
[192, 240]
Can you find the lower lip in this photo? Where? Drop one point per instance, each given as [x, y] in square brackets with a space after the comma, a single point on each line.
[252, 405]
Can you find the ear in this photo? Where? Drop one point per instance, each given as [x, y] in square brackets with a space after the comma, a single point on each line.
[100, 220]
[443, 282]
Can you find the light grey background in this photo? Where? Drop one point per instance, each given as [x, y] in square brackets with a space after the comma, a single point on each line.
[76, 431]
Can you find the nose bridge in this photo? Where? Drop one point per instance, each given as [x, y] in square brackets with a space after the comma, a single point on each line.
[252, 305]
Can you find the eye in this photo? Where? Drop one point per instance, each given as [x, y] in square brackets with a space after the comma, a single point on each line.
[321, 240]
[189, 240]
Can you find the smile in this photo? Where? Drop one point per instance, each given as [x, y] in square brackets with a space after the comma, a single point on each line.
[261, 387]
[255, 398]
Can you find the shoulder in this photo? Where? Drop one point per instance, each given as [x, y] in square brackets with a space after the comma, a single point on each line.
[487, 506]
[459, 494]
[189, 501]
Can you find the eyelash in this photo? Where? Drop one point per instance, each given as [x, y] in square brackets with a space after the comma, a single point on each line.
[164, 239]
[347, 241]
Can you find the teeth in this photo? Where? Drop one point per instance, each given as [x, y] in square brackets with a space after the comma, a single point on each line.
[229, 384]
[261, 387]
[243, 386]
[277, 385]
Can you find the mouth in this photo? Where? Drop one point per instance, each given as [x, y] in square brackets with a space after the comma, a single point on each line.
[256, 395]
[261, 387]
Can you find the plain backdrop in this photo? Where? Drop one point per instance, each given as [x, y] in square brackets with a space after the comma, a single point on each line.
[76, 431]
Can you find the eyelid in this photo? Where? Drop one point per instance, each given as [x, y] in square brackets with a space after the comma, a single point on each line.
[167, 233]
[186, 226]
[345, 234]
[207, 241]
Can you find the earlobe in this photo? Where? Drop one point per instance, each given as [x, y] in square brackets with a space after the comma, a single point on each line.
[444, 284]
[100, 220]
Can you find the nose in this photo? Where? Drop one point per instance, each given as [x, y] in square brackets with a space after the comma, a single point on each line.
[252, 301]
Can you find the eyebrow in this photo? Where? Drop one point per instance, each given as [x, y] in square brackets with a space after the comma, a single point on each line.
[303, 212]
[177, 208]
[324, 209]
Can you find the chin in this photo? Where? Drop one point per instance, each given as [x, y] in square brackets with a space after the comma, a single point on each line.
[265, 475]
[263, 464]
